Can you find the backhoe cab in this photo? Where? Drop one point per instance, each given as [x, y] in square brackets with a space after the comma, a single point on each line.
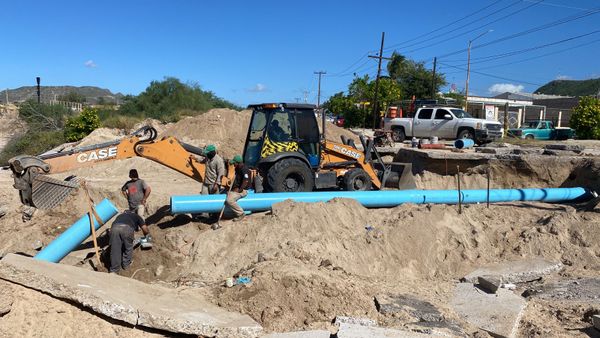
[284, 145]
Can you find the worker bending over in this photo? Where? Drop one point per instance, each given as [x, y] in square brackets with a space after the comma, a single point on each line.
[121, 239]
[239, 187]
[136, 191]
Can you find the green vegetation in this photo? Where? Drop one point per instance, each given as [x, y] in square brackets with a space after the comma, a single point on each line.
[52, 125]
[571, 87]
[72, 96]
[586, 118]
[165, 100]
[413, 78]
[82, 125]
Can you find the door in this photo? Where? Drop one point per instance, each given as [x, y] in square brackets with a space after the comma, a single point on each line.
[543, 131]
[443, 127]
[422, 123]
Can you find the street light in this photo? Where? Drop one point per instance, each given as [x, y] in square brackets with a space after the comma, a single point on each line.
[469, 68]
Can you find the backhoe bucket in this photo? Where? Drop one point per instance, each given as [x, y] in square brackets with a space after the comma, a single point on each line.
[397, 175]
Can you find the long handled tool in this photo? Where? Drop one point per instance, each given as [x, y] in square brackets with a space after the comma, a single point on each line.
[223, 208]
[98, 219]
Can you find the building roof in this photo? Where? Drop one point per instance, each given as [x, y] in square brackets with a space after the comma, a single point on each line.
[515, 96]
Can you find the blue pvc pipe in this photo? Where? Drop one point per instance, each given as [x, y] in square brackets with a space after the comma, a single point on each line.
[75, 234]
[376, 199]
[462, 143]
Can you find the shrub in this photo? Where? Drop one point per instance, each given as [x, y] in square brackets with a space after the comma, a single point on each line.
[121, 122]
[31, 144]
[586, 118]
[80, 126]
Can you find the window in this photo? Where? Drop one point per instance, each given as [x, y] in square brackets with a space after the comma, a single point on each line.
[461, 114]
[440, 113]
[425, 114]
[281, 127]
[259, 121]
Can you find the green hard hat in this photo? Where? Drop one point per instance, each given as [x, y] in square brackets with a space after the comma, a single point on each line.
[209, 148]
[236, 159]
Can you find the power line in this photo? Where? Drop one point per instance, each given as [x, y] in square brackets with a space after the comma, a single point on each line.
[529, 31]
[352, 65]
[474, 29]
[491, 75]
[521, 51]
[446, 26]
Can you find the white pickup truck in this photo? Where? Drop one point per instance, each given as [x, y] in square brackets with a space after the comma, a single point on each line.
[443, 122]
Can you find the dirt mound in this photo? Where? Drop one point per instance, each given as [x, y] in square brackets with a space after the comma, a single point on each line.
[101, 135]
[156, 124]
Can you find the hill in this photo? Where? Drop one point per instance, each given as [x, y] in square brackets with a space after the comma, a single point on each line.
[571, 87]
[92, 94]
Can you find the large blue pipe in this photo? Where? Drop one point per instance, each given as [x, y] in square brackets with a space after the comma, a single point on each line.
[75, 234]
[376, 199]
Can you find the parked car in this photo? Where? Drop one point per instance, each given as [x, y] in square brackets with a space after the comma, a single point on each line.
[542, 130]
[339, 121]
[443, 122]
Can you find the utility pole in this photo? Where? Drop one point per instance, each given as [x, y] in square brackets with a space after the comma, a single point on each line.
[375, 102]
[297, 99]
[37, 79]
[320, 73]
[6, 93]
[469, 68]
[433, 79]
[305, 92]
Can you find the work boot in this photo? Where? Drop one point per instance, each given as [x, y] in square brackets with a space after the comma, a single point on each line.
[239, 218]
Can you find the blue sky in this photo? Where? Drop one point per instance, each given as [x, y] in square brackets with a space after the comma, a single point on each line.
[257, 51]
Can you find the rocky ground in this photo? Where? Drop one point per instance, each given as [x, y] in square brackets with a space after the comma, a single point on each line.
[309, 263]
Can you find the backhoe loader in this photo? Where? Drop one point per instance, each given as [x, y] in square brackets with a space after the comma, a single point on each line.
[283, 148]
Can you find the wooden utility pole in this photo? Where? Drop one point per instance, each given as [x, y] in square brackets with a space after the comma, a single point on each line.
[375, 99]
[505, 119]
[6, 93]
[433, 78]
[37, 80]
[320, 73]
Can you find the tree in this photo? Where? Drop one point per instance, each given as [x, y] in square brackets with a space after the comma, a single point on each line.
[72, 96]
[81, 126]
[164, 100]
[586, 118]
[43, 117]
[413, 77]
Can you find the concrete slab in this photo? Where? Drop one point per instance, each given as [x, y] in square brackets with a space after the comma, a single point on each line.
[580, 290]
[517, 271]
[498, 314]
[127, 299]
[360, 331]
[421, 310]
[596, 321]
[300, 334]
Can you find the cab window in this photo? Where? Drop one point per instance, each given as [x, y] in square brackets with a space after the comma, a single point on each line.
[440, 113]
[425, 114]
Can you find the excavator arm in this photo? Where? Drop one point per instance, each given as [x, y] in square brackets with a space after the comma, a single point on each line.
[44, 192]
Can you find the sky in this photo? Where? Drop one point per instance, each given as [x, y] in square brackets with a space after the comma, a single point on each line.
[267, 51]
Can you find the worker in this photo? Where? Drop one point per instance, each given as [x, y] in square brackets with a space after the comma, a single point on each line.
[239, 188]
[136, 191]
[215, 170]
[121, 239]
[276, 133]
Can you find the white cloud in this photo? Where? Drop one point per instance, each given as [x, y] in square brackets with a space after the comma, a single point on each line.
[90, 64]
[563, 77]
[500, 88]
[259, 87]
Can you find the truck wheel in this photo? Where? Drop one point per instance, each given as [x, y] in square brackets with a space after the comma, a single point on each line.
[290, 175]
[529, 136]
[466, 133]
[398, 135]
[357, 180]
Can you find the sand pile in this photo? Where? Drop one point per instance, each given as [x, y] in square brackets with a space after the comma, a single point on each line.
[101, 135]
[156, 124]
[10, 124]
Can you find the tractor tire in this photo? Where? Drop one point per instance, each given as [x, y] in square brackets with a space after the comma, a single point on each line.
[357, 180]
[290, 175]
[398, 135]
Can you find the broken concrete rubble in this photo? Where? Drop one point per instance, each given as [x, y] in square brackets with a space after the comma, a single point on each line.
[6, 301]
[360, 331]
[128, 300]
[356, 321]
[585, 290]
[517, 271]
[422, 311]
[498, 314]
[596, 321]
[300, 334]
[490, 283]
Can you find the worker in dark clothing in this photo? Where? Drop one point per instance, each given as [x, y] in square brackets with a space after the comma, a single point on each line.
[121, 239]
[239, 188]
[276, 133]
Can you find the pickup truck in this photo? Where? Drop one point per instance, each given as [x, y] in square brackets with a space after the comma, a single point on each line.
[542, 130]
[443, 122]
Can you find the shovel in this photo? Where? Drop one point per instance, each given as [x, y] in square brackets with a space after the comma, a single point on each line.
[218, 225]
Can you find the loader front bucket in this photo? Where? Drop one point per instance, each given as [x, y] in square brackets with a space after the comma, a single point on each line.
[397, 175]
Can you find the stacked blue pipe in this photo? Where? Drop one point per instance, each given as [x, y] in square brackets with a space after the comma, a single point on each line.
[463, 143]
[76, 234]
[377, 199]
